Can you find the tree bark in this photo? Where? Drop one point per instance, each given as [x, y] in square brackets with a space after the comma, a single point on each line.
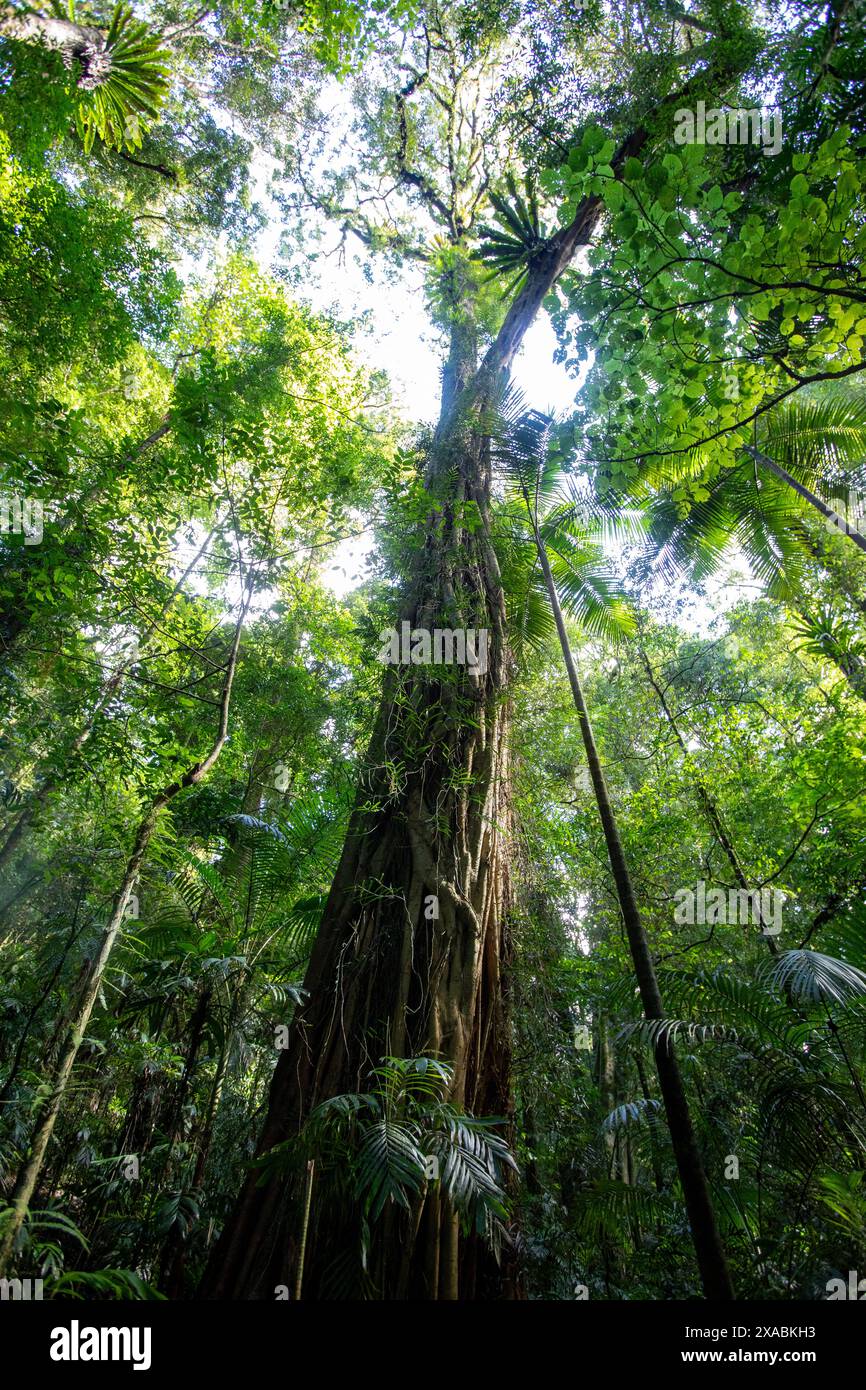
[75, 42]
[607, 1088]
[410, 956]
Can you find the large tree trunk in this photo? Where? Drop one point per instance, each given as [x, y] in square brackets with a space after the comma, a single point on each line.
[410, 954]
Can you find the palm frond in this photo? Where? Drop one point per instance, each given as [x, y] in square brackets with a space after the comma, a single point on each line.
[811, 977]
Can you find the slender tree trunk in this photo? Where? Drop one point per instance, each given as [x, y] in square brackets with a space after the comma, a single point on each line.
[612, 1253]
[29, 1173]
[302, 1249]
[173, 1259]
[713, 814]
[30, 1170]
[197, 1026]
[207, 1129]
[712, 1262]
[607, 1088]
[827, 512]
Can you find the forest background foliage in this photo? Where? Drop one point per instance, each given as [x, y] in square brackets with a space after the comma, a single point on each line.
[570, 1061]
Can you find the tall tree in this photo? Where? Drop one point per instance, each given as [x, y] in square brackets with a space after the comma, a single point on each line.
[526, 455]
[432, 821]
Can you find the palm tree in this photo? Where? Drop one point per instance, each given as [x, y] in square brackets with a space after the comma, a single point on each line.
[821, 442]
[525, 453]
[694, 521]
[787, 1034]
[810, 451]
